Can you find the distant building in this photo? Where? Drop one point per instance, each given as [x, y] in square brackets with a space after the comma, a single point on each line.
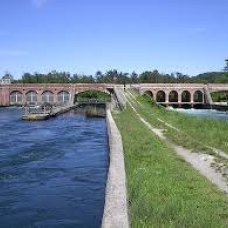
[226, 67]
[5, 81]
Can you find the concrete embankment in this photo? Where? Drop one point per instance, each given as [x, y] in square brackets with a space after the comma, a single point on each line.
[116, 204]
[120, 97]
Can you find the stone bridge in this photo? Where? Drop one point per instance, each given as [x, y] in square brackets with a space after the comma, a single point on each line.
[179, 94]
[168, 94]
[23, 94]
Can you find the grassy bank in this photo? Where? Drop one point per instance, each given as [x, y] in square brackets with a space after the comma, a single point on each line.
[194, 132]
[164, 191]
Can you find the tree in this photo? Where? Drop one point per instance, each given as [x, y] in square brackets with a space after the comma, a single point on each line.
[99, 77]
[134, 77]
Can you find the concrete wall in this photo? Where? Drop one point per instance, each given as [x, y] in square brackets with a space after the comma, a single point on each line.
[116, 203]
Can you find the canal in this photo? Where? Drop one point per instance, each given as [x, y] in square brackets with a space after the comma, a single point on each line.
[52, 173]
[205, 113]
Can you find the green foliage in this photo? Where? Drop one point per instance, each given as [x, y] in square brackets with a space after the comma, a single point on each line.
[92, 94]
[163, 190]
[220, 96]
[212, 77]
[114, 76]
[212, 132]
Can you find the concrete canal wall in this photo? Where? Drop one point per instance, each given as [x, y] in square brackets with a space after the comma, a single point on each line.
[116, 203]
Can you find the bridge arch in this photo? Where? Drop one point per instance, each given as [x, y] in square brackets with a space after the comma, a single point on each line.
[173, 96]
[48, 96]
[220, 95]
[31, 96]
[63, 97]
[198, 96]
[16, 98]
[149, 93]
[96, 94]
[185, 96]
[84, 90]
[160, 96]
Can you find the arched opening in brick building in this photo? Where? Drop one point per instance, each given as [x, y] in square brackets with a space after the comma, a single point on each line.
[148, 93]
[198, 96]
[31, 97]
[160, 97]
[173, 96]
[48, 97]
[186, 96]
[63, 98]
[220, 96]
[16, 98]
[93, 96]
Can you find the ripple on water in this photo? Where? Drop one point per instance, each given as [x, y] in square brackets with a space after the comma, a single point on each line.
[52, 173]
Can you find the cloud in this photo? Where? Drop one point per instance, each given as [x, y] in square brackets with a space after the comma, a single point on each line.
[39, 3]
[13, 53]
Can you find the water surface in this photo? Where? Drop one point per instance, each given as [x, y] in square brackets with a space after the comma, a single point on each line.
[52, 173]
[205, 113]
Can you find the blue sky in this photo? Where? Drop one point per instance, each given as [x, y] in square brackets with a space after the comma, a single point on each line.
[83, 36]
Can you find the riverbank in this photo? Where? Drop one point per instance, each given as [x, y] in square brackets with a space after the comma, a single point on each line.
[116, 205]
[163, 189]
[185, 130]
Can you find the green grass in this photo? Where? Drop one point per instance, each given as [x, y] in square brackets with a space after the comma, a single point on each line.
[194, 132]
[93, 94]
[163, 190]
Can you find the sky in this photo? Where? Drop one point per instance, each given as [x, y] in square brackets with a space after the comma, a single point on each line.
[84, 36]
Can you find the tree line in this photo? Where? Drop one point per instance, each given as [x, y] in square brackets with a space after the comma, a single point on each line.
[114, 76]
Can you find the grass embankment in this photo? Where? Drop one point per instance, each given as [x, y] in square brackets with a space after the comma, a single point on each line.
[195, 133]
[163, 190]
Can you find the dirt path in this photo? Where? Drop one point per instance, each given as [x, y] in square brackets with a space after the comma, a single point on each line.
[220, 153]
[206, 164]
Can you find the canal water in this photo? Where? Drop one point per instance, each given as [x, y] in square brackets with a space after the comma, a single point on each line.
[205, 113]
[52, 173]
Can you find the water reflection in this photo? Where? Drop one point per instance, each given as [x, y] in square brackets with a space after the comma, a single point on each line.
[52, 173]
